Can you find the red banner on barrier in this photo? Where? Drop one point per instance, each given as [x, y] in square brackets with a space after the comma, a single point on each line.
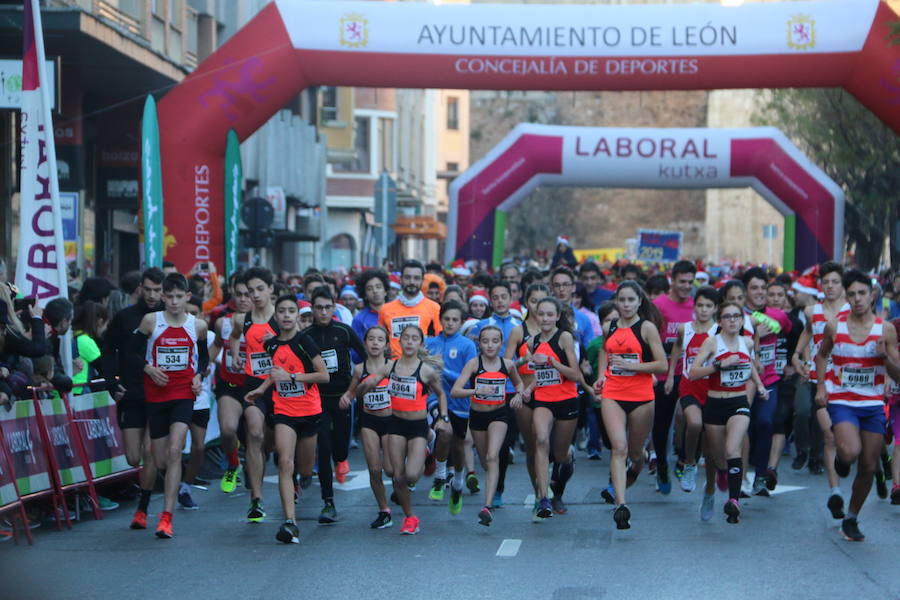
[96, 417]
[8, 493]
[22, 435]
[65, 453]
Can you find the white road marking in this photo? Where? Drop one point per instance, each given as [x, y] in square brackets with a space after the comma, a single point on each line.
[529, 500]
[509, 548]
[356, 480]
[783, 489]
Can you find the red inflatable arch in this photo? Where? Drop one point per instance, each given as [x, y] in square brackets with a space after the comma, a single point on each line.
[292, 44]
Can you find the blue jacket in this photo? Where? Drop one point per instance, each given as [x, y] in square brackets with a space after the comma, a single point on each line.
[456, 351]
[584, 332]
[362, 322]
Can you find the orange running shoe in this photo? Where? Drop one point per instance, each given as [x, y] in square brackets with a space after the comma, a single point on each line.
[340, 471]
[139, 521]
[410, 526]
[164, 529]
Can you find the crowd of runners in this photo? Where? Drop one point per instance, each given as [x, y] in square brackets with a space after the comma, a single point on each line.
[422, 365]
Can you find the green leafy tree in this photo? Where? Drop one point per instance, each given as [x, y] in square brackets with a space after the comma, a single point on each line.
[856, 150]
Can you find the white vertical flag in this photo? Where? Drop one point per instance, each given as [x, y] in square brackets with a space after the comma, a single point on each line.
[41, 261]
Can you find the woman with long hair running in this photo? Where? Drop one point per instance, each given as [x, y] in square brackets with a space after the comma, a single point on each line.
[726, 359]
[375, 419]
[409, 379]
[484, 380]
[517, 350]
[632, 353]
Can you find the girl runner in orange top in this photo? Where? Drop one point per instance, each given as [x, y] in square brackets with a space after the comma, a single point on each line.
[375, 418]
[551, 352]
[409, 378]
[484, 380]
[631, 354]
[297, 369]
[517, 350]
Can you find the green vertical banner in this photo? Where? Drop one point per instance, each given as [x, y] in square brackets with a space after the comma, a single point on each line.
[790, 242]
[233, 183]
[499, 238]
[151, 187]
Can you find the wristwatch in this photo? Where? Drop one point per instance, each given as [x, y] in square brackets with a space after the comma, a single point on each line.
[717, 365]
[445, 418]
[293, 378]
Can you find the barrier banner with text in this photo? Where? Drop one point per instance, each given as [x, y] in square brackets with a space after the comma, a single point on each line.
[22, 434]
[95, 414]
[56, 421]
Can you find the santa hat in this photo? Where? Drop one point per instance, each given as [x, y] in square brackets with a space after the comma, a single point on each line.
[395, 281]
[806, 284]
[479, 297]
[514, 311]
[563, 239]
[349, 290]
[305, 307]
[462, 272]
[702, 276]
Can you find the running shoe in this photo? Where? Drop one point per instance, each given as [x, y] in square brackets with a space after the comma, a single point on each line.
[256, 514]
[799, 460]
[341, 468]
[771, 478]
[558, 506]
[229, 481]
[305, 482]
[410, 526]
[106, 503]
[760, 487]
[895, 494]
[455, 503]
[732, 511]
[437, 489]
[816, 467]
[498, 500]
[534, 512]
[881, 484]
[485, 517]
[328, 514]
[200, 483]
[850, 530]
[288, 533]
[609, 494]
[651, 463]
[545, 510]
[382, 521]
[836, 506]
[840, 467]
[631, 476]
[679, 470]
[164, 528]
[411, 487]
[746, 487]
[430, 463]
[707, 507]
[185, 500]
[886, 461]
[594, 454]
[622, 517]
[139, 520]
[6, 535]
[472, 483]
[722, 481]
[689, 478]
[663, 485]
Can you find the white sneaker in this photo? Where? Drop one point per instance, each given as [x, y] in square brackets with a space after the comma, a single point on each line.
[689, 478]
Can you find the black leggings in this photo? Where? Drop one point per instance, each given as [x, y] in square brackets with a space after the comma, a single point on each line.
[512, 435]
[333, 442]
[664, 411]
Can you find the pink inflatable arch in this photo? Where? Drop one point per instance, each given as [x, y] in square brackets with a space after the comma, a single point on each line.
[292, 44]
[534, 155]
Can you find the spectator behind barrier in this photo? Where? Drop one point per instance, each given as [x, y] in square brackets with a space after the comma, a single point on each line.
[58, 320]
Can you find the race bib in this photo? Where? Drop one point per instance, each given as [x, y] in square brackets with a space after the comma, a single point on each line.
[767, 354]
[377, 399]
[229, 362]
[735, 376]
[290, 389]
[780, 361]
[632, 358]
[331, 360]
[172, 358]
[398, 324]
[857, 377]
[545, 375]
[490, 390]
[403, 388]
[260, 364]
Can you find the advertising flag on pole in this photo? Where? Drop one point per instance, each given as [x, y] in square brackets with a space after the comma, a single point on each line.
[41, 263]
[233, 184]
[151, 187]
